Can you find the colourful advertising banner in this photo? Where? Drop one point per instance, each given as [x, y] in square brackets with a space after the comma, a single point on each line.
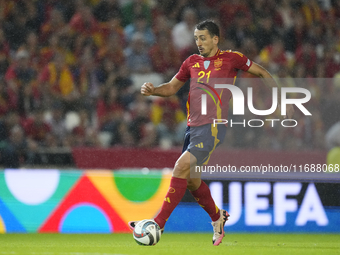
[102, 201]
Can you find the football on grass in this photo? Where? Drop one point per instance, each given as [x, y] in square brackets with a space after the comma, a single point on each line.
[147, 232]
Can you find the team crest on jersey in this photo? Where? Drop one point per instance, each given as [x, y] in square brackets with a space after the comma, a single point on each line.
[218, 63]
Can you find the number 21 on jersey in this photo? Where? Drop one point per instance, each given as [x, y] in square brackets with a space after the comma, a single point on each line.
[203, 74]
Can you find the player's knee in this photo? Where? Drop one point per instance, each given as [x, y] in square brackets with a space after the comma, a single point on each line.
[193, 184]
[181, 169]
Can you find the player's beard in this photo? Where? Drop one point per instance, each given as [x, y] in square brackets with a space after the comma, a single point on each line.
[206, 54]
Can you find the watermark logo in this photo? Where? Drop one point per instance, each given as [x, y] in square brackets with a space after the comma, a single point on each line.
[204, 97]
[239, 102]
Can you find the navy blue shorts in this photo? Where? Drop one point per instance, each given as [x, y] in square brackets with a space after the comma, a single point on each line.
[201, 141]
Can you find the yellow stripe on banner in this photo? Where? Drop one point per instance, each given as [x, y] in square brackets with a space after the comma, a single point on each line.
[2, 226]
[128, 210]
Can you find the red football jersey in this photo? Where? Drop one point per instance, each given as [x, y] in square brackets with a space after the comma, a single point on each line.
[204, 73]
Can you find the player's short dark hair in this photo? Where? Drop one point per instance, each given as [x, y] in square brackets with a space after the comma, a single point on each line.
[209, 25]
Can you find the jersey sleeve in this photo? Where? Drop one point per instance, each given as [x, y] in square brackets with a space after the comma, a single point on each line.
[184, 72]
[241, 61]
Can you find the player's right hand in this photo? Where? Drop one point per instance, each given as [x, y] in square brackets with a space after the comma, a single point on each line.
[147, 89]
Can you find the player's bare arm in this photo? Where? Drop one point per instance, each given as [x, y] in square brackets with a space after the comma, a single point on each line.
[163, 90]
[261, 72]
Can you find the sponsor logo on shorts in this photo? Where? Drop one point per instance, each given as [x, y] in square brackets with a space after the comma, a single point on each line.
[200, 145]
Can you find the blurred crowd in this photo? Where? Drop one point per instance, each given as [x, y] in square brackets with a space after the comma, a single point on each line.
[71, 71]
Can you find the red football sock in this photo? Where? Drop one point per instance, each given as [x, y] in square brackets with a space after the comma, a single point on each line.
[173, 197]
[203, 197]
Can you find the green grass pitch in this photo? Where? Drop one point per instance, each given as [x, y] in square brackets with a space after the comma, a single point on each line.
[178, 244]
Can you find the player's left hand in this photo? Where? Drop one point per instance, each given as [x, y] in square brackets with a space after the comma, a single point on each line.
[289, 111]
[147, 89]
